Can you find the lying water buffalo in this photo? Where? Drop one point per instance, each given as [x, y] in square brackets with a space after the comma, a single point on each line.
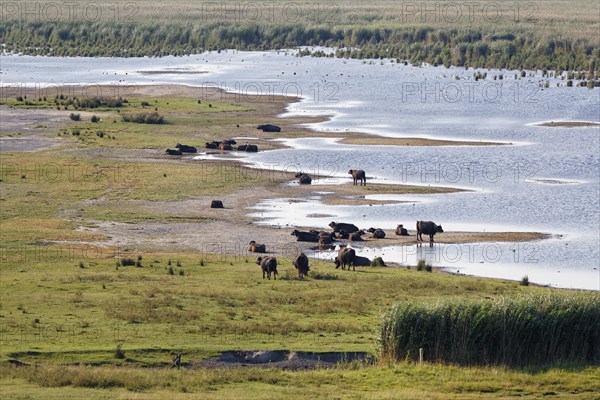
[401, 231]
[346, 256]
[257, 248]
[268, 266]
[339, 226]
[303, 179]
[225, 146]
[428, 228]
[269, 128]
[377, 233]
[357, 236]
[301, 264]
[251, 148]
[216, 204]
[212, 145]
[229, 141]
[358, 175]
[173, 152]
[186, 149]
[342, 234]
[305, 236]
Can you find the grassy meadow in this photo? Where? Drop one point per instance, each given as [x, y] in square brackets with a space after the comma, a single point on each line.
[518, 34]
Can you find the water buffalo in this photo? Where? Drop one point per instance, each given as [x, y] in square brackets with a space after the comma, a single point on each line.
[251, 148]
[305, 236]
[269, 128]
[303, 179]
[428, 228]
[346, 256]
[301, 264]
[186, 149]
[358, 175]
[339, 226]
[357, 236]
[216, 204]
[377, 233]
[257, 248]
[173, 152]
[212, 145]
[401, 231]
[229, 141]
[342, 234]
[268, 266]
[225, 146]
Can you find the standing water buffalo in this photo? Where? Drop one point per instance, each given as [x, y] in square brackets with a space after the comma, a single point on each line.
[301, 264]
[346, 256]
[428, 228]
[268, 266]
[257, 248]
[401, 230]
[303, 179]
[337, 227]
[269, 128]
[358, 175]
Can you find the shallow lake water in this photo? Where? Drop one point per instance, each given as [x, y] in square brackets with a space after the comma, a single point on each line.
[547, 180]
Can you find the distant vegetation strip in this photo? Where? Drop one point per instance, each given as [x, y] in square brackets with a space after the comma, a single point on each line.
[459, 46]
[538, 330]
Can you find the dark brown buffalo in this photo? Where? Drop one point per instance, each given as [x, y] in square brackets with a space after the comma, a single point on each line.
[257, 248]
[303, 179]
[428, 228]
[225, 146]
[173, 152]
[268, 266]
[357, 236]
[269, 128]
[305, 236]
[186, 149]
[358, 175]
[337, 227]
[401, 231]
[377, 233]
[346, 256]
[301, 264]
[342, 234]
[212, 145]
[216, 204]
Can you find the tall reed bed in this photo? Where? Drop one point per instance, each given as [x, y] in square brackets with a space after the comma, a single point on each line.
[549, 329]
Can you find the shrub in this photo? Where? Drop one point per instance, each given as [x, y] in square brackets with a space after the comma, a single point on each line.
[144, 118]
[525, 281]
[95, 119]
[548, 329]
[19, 98]
[171, 271]
[421, 265]
[75, 117]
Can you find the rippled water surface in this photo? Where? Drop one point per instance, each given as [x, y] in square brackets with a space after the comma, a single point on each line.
[547, 180]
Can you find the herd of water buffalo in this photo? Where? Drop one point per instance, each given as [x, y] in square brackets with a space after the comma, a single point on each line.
[224, 145]
[346, 256]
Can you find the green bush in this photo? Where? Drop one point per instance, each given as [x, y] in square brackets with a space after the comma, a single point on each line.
[144, 118]
[530, 330]
[75, 117]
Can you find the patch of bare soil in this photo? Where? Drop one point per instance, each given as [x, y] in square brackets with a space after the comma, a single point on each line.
[568, 124]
